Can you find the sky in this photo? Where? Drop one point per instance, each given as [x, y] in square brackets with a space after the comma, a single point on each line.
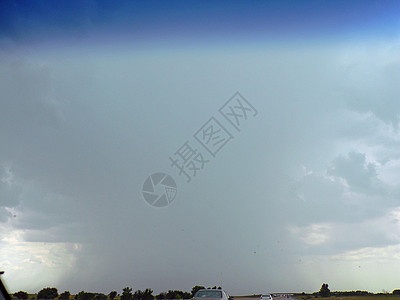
[295, 185]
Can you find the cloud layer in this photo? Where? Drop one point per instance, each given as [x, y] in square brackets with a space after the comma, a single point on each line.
[310, 182]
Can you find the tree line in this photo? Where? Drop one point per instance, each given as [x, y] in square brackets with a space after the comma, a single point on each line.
[325, 292]
[127, 294]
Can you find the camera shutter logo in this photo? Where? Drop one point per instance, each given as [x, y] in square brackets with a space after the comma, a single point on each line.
[159, 189]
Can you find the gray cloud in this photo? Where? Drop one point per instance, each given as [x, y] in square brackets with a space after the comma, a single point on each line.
[82, 132]
[372, 83]
[359, 175]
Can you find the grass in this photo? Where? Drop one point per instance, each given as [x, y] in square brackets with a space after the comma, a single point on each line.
[366, 297]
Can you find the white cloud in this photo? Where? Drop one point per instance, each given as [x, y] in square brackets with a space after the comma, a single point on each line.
[360, 269]
[350, 236]
[314, 234]
[32, 265]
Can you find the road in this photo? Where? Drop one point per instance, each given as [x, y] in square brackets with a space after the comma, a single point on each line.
[277, 297]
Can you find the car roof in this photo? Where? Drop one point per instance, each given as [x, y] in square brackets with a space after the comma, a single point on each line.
[3, 292]
[213, 290]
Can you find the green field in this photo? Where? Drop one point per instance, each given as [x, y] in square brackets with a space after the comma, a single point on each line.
[366, 297]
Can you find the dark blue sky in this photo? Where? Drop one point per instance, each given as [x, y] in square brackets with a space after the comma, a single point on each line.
[46, 21]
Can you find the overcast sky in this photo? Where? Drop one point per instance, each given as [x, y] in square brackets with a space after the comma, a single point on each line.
[96, 97]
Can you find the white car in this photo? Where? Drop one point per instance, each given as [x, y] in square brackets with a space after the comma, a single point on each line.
[211, 294]
[266, 297]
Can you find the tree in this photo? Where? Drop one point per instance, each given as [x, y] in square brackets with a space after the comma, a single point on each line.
[171, 294]
[112, 295]
[100, 297]
[147, 294]
[127, 294]
[21, 295]
[47, 293]
[324, 291]
[64, 296]
[196, 288]
[396, 292]
[161, 296]
[175, 294]
[85, 296]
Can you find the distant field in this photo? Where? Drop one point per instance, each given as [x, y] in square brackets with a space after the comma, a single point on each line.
[366, 297]
[312, 297]
[303, 297]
